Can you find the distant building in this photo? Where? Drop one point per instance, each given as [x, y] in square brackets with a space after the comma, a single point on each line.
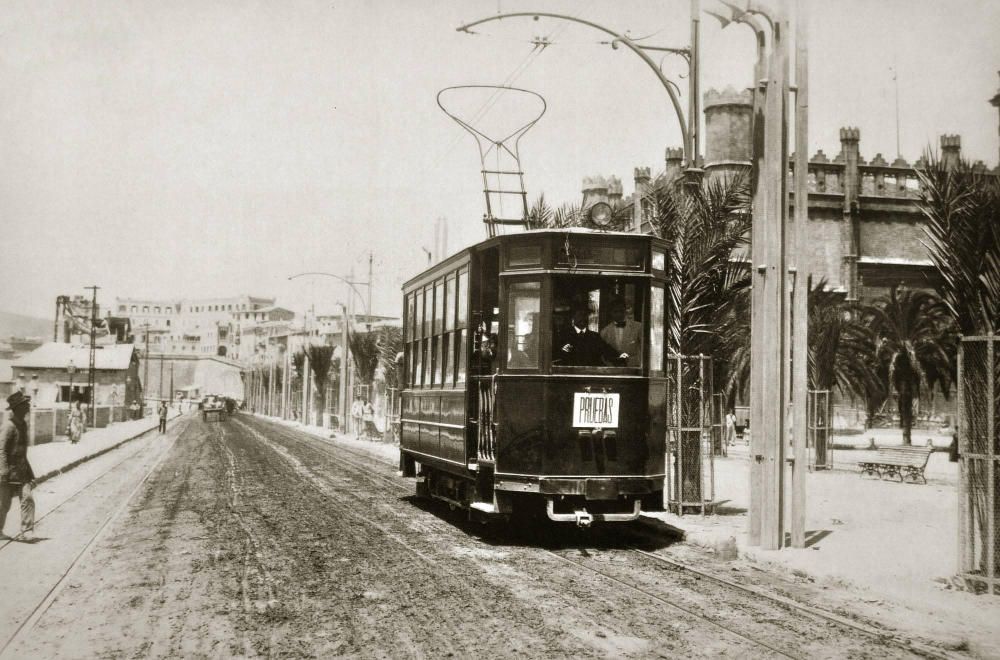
[865, 226]
[45, 374]
[205, 326]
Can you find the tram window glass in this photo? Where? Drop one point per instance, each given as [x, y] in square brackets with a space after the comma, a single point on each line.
[449, 317]
[418, 317]
[462, 337]
[523, 306]
[447, 358]
[462, 296]
[659, 259]
[428, 310]
[656, 335]
[416, 356]
[611, 309]
[522, 256]
[439, 306]
[410, 309]
[435, 361]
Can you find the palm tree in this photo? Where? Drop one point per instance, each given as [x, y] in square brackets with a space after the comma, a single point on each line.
[706, 228]
[320, 359]
[913, 340]
[841, 345]
[961, 205]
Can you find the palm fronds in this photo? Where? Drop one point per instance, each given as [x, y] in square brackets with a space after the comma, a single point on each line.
[961, 205]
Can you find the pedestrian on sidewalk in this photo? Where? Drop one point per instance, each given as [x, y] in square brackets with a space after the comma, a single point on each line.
[163, 416]
[75, 422]
[368, 417]
[134, 409]
[357, 416]
[16, 476]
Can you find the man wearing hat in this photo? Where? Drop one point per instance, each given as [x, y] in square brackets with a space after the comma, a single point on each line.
[16, 475]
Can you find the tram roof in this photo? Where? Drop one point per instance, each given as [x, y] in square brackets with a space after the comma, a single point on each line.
[496, 240]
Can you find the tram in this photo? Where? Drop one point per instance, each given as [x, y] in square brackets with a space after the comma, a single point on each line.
[534, 376]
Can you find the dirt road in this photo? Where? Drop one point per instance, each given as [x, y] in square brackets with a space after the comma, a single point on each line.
[252, 539]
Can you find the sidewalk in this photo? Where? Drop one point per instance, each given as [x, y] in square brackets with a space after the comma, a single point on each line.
[52, 458]
[886, 549]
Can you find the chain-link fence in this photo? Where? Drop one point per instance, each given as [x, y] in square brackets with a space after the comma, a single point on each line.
[818, 430]
[690, 462]
[979, 455]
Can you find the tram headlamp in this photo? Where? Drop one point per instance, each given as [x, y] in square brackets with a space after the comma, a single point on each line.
[600, 214]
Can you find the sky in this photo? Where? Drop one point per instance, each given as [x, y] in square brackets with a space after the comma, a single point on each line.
[196, 148]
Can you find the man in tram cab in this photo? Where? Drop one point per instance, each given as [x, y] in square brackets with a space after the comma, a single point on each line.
[580, 346]
[623, 334]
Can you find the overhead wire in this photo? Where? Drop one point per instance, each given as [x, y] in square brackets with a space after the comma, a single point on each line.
[516, 72]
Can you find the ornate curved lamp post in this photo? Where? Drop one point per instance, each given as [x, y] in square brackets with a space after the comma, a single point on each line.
[690, 149]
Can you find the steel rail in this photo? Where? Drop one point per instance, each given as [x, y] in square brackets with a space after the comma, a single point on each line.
[668, 603]
[830, 617]
[13, 539]
[39, 611]
[881, 636]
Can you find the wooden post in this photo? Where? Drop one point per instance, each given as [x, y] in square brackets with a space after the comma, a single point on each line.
[756, 170]
[306, 389]
[769, 309]
[803, 278]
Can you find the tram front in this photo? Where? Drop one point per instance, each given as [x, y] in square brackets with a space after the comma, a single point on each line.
[574, 386]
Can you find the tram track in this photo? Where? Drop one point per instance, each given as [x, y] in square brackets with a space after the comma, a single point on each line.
[53, 592]
[362, 461]
[882, 636]
[72, 497]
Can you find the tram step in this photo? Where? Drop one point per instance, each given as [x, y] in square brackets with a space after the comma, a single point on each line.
[485, 507]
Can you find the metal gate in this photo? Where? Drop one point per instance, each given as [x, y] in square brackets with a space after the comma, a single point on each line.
[690, 457]
[979, 457]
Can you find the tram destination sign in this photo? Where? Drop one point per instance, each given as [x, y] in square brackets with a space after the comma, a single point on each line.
[595, 410]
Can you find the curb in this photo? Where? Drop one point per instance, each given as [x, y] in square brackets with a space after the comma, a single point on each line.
[83, 459]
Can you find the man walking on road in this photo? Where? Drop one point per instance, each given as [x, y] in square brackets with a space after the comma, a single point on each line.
[163, 416]
[16, 475]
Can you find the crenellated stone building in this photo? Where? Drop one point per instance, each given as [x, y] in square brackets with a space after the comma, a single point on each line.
[865, 226]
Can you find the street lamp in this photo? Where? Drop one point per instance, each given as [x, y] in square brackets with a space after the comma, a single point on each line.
[688, 135]
[351, 284]
[71, 369]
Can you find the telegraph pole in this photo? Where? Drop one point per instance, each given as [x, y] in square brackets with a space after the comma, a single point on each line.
[370, 257]
[145, 369]
[803, 280]
[92, 372]
[160, 388]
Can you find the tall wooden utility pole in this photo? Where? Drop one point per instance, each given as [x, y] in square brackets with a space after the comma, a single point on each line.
[803, 280]
[769, 328]
[92, 371]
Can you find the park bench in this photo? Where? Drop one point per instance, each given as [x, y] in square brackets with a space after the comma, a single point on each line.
[899, 462]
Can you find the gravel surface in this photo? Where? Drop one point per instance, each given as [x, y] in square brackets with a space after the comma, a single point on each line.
[252, 539]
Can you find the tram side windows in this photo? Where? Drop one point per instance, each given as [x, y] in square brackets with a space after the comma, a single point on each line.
[417, 352]
[523, 330]
[656, 330]
[437, 334]
[461, 333]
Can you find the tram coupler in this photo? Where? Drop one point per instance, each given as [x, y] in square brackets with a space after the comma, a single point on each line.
[584, 518]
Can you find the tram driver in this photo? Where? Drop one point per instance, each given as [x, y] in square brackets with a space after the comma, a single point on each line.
[579, 346]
